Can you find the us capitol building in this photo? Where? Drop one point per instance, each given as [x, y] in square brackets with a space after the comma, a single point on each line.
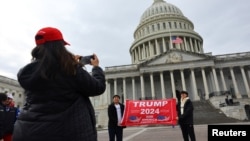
[161, 65]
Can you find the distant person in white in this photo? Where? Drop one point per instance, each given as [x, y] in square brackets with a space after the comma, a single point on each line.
[119, 114]
[115, 113]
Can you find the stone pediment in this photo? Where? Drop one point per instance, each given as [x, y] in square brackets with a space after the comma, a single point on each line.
[176, 57]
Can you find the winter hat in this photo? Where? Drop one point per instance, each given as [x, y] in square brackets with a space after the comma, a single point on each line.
[10, 95]
[49, 34]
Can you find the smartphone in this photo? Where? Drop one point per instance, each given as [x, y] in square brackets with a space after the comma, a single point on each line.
[86, 59]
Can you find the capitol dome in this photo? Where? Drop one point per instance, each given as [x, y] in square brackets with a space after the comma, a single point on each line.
[158, 8]
[159, 26]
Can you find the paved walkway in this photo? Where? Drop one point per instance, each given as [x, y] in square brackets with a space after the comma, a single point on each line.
[163, 133]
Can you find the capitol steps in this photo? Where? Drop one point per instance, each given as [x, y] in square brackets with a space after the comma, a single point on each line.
[206, 113]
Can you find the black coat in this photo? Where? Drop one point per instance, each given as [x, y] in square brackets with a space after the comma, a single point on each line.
[7, 119]
[187, 116]
[59, 109]
[112, 114]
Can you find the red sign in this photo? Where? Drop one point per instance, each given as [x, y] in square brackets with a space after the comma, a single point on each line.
[144, 112]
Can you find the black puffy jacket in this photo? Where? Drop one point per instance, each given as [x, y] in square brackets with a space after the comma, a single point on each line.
[59, 109]
[7, 119]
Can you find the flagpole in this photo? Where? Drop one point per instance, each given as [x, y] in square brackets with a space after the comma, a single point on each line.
[170, 38]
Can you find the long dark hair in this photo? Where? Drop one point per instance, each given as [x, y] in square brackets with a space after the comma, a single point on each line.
[53, 58]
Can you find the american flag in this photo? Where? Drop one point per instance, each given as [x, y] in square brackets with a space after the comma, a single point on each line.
[176, 40]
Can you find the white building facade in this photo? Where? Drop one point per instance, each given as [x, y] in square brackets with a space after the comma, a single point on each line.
[160, 66]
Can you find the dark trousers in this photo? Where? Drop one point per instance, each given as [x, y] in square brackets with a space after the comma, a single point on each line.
[188, 131]
[117, 132]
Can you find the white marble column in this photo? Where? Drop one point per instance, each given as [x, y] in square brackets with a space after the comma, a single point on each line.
[223, 79]
[245, 80]
[163, 93]
[115, 86]
[164, 45]
[142, 87]
[157, 47]
[152, 85]
[191, 44]
[136, 55]
[132, 55]
[133, 87]
[185, 43]
[183, 81]
[205, 83]
[215, 80]
[195, 46]
[194, 85]
[109, 93]
[200, 45]
[106, 95]
[237, 93]
[172, 84]
[150, 49]
[124, 90]
[147, 50]
[144, 51]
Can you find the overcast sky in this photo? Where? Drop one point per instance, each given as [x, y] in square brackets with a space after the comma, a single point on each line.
[106, 27]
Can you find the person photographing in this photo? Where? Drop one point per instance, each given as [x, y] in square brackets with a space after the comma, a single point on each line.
[57, 89]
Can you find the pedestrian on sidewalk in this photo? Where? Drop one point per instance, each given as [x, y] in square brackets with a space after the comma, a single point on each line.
[8, 115]
[115, 114]
[185, 117]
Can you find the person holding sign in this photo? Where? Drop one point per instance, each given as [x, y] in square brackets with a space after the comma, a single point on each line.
[185, 116]
[115, 113]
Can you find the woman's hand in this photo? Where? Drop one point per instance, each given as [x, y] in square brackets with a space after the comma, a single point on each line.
[94, 61]
[77, 57]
